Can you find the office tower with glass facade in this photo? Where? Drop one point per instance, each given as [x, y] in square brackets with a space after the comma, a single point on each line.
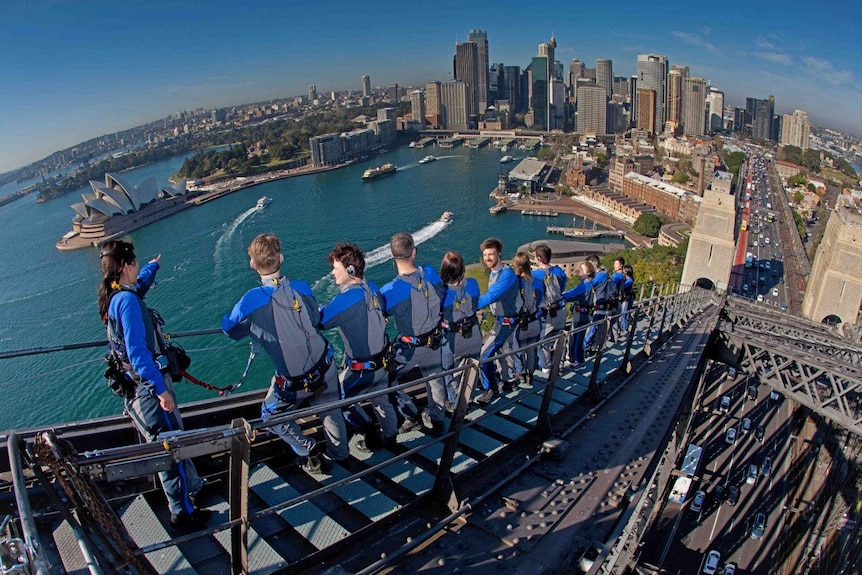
[432, 104]
[366, 86]
[480, 38]
[417, 108]
[652, 74]
[715, 109]
[539, 91]
[467, 71]
[693, 106]
[761, 112]
[605, 76]
[312, 93]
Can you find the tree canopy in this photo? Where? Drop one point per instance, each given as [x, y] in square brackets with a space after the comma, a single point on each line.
[648, 225]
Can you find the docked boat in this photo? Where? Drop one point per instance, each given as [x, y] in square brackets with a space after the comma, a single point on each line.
[506, 159]
[447, 217]
[427, 159]
[380, 171]
[504, 149]
[263, 201]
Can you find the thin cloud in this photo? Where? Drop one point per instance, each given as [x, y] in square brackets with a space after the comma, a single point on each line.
[765, 44]
[696, 40]
[776, 57]
[827, 71]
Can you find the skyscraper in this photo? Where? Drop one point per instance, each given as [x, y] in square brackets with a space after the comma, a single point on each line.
[366, 86]
[693, 106]
[592, 110]
[432, 104]
[312, 93]
[715, 109]
[652, 74]
[453, 105]
[795, 129]
[539, 94]
[674, 96]
[761, 112]
[467, 71]
[605, 76]
[576, 70]
[646, 109]
[480, 38]
[417, 107]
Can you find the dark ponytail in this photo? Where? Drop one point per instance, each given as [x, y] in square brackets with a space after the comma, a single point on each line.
[112, 257]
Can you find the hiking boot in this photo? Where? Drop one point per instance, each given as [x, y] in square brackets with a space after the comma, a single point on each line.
[486, 396]
[427, 423]
[449, 406]
[198, 497]
[407, 425]
[526, 383]
[509, 386]
[362, 447]
[436, 429]
[317, 465]
[188, 522]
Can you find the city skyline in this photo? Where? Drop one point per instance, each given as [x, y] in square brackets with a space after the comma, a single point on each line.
[72, 72]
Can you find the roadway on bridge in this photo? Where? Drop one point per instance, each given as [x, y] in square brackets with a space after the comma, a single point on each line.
[684, 537]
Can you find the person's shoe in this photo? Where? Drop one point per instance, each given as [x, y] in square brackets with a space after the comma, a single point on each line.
[317, 465]
[509, 386]
[435, 430]
[408, 425]
[527, 382]
[188, 522]
[486, 396]
[362, 447]
[546, 371]
[427, 422]
[449, 406]
[199, 497]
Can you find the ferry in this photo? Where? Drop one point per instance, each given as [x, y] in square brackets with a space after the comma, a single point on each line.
[506, 159]
[378, 172]
[263, 201]
[427, 159]
[447, 217]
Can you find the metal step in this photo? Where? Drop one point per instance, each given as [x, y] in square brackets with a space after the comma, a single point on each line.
[146, 529]
[361, 496]
[405, 473]
[69, 550]
[262, 559]
[305, 517]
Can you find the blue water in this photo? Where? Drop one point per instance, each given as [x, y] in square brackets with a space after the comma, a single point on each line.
[48, 297]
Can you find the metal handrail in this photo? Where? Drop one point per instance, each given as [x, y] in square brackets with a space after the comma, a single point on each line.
[25, 513]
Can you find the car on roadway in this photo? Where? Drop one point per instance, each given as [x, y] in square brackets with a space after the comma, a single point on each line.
[781, 280]
[753, 472]
[725, 404]
[732, 495]
[759, 526]
[698, 501]
[766, 466]
[768, 265]
[710, 567]
[718, 493]
[752, 391]
[775, 292]
[783, 306]
[746, 425]
[774, 394]
[760, 297]
[730, 569]
[759, 432]
[730, 436]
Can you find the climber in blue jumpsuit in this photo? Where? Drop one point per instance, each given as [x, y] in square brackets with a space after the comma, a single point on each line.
[283, 316]
[501, 297]
[357, 312]
[582, 297]
[135, 337]
[553, 309]
[414, 300]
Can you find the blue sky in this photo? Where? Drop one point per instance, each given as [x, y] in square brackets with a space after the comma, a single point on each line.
[73, 70]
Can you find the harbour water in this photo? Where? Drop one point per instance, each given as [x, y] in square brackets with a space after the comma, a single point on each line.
[48, 297]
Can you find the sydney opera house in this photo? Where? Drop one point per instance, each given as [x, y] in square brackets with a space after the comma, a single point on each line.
[117, 207]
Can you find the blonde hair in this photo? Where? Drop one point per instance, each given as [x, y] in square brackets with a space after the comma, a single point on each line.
[265, 252]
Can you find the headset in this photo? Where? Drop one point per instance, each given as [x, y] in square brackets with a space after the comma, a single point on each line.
[351, 271]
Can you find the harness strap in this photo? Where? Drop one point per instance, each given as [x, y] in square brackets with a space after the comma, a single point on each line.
[307, 380]
[373, 363]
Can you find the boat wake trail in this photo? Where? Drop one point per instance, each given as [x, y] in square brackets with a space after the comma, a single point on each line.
[326, 286]
[228, 233]
[407, 167]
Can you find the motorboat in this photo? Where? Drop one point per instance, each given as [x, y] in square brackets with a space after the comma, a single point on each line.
[506, 159]
[263, 201]
[447, 217]
[427, 159]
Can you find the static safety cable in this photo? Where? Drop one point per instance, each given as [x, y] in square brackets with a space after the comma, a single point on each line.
[225, 391]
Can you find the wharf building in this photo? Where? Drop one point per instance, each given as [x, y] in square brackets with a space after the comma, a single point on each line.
[834, 292]
[568, 254]
[335, 148]
[675, 203]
